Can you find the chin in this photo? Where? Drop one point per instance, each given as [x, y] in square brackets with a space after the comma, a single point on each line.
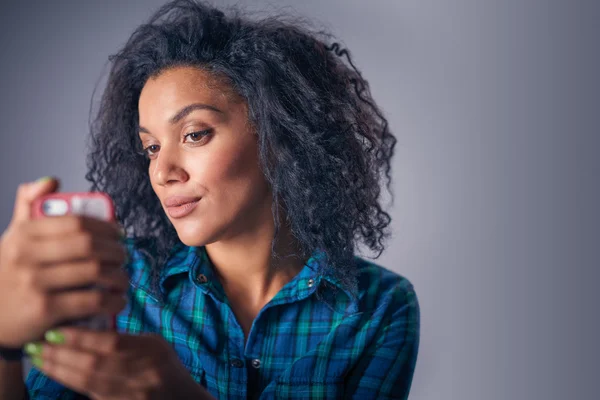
[194, 234]
[193, 237]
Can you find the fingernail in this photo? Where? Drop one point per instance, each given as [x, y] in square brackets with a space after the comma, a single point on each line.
[37, 361]
[55, 337]
[44, 179]
[33, 349]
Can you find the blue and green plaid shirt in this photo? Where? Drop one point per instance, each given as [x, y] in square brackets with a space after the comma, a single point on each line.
[312, 340]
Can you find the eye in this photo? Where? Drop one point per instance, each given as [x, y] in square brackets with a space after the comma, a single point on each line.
[151, 150]
[198, 136]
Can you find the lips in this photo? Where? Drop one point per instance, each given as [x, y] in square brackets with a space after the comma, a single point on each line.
[175, 201]
[180, 206]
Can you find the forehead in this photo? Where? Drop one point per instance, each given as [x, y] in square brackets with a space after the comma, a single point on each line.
[177, 86]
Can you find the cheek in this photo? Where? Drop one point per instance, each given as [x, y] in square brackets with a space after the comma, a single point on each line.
[235, 176]
[233, 187]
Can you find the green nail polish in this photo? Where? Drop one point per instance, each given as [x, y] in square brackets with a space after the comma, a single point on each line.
[33, 349]
[122, 233]
[44, 179]
[54, 337]
[36, 361]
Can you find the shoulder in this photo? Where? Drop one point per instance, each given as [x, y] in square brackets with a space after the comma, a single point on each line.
[137, 263]
[388, 320]
[133, 246]
[379, 287]
[142, 263]
[388, 304]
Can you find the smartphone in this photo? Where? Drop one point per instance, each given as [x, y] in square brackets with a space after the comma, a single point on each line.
[93, 204]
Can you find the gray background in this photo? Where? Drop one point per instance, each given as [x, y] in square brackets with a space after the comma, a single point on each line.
[495, 105]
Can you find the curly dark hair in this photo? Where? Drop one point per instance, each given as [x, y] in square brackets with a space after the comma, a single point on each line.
[325, 147]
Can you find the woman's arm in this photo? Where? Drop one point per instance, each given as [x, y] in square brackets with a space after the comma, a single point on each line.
[11, 380]
[386, 369]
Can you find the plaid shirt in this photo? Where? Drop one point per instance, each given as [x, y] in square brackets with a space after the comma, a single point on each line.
[312, 340]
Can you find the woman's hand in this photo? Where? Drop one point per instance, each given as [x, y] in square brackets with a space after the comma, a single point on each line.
[111, 365]
[39, 258]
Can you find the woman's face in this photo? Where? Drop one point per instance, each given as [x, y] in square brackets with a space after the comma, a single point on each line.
[204, 154]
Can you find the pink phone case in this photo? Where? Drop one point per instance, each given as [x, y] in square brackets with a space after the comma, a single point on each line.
[93, 204]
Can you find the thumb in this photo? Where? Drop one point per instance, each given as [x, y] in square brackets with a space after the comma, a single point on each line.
[28, 192]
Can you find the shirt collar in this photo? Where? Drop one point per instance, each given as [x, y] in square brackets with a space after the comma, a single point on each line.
[317, 263]
[182, 259]
[195, 261]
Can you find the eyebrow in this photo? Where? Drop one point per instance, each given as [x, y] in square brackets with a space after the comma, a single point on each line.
[181, 114]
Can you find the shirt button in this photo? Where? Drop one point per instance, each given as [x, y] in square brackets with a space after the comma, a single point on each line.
[236, 363]
[202, 278]
[311, 282]
[256, 363]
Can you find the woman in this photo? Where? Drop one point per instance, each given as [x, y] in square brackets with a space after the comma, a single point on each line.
[244, 159]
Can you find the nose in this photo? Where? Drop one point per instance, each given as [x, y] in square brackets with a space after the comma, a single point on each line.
[167, 168]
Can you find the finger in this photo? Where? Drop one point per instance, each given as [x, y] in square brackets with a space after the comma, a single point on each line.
[89, 363]
[83, 273]
[73, 224]
[82, 371]
[78, 248]
[70, 305]
[27, 193]
[103, 342]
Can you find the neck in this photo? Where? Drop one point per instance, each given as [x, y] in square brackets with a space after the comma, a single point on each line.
[246, 267]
